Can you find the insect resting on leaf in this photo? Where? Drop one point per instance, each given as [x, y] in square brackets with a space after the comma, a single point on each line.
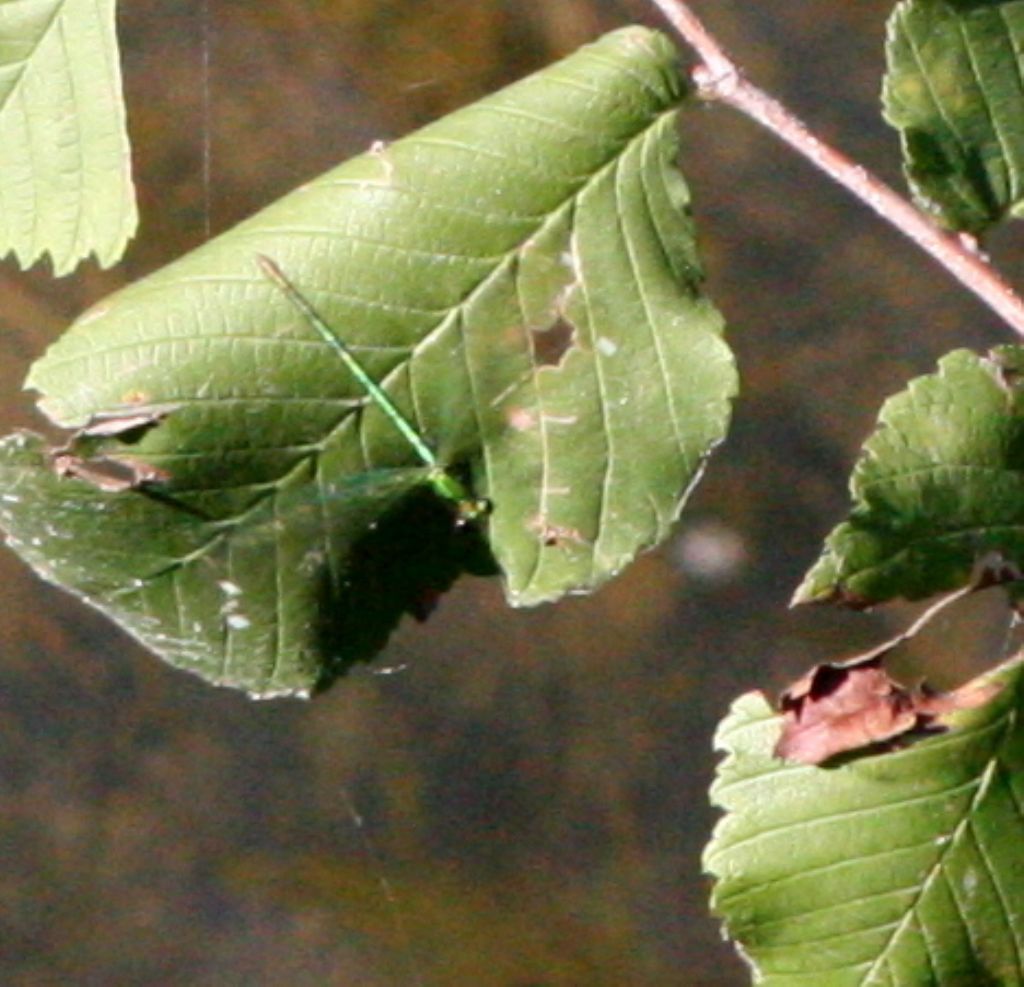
[467, 507]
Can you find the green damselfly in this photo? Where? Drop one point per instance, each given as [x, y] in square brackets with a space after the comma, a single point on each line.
[467, 507]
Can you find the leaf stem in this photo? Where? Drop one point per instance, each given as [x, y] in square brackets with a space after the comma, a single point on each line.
[719, 78]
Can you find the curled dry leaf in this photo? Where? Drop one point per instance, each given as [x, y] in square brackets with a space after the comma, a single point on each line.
[91, 453]
[848, 706]
[126, 424]
[113, 475]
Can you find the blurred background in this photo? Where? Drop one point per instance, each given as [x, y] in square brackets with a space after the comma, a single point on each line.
[503, 798]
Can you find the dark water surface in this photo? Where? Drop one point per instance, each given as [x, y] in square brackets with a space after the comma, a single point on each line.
[521, 801]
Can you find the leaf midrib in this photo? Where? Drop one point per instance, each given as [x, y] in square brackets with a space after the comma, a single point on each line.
[985, 778]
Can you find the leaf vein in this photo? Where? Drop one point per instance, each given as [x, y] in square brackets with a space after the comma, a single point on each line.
[953, 839]
[1001, 895]
[1005, 159]
[937, 104]
[818, 871]
[847, 814]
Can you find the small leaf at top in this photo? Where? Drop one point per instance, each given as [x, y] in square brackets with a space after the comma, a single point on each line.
[65, 168]
[902, 868]
[438, 260]
[955, 90]
[938, 489]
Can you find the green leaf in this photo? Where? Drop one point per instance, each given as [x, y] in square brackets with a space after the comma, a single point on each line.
[277, 600]
[902, 868]
[955, 91]
[938, 487]
[520, 277]
[65, 171]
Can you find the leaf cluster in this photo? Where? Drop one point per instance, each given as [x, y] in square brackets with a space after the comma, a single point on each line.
[509, 303]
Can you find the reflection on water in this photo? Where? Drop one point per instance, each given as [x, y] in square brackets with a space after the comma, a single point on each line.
[523, 801]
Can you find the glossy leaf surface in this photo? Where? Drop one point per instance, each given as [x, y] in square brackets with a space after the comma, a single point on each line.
[898, 868]
[520, 277]
[65, 171]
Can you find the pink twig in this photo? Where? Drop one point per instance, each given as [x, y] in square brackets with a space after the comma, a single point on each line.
[719, 78]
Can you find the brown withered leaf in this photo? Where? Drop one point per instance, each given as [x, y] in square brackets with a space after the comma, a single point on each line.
[838, 707]
[848, 706]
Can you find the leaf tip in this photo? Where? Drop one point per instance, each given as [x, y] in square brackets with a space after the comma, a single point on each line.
[818, 591]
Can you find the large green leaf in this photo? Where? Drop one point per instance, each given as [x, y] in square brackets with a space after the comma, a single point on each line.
[65, 171]
[278, 600]
[955, 91]
[938, 487]
[898, 869]
[522, 279]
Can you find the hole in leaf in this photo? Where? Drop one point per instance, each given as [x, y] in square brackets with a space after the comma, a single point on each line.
[551, 343]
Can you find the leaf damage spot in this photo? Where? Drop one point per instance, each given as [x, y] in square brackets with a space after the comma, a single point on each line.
[570, 261]
[521, 419]
[850, 706]
[551, 343]
[111, 475]
[838, 707]
[238, 621]
[552, 339]
[1006, 367]
[135, 397]
[86, 454]
[554, 535]
[126, 426]
[378, 150]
